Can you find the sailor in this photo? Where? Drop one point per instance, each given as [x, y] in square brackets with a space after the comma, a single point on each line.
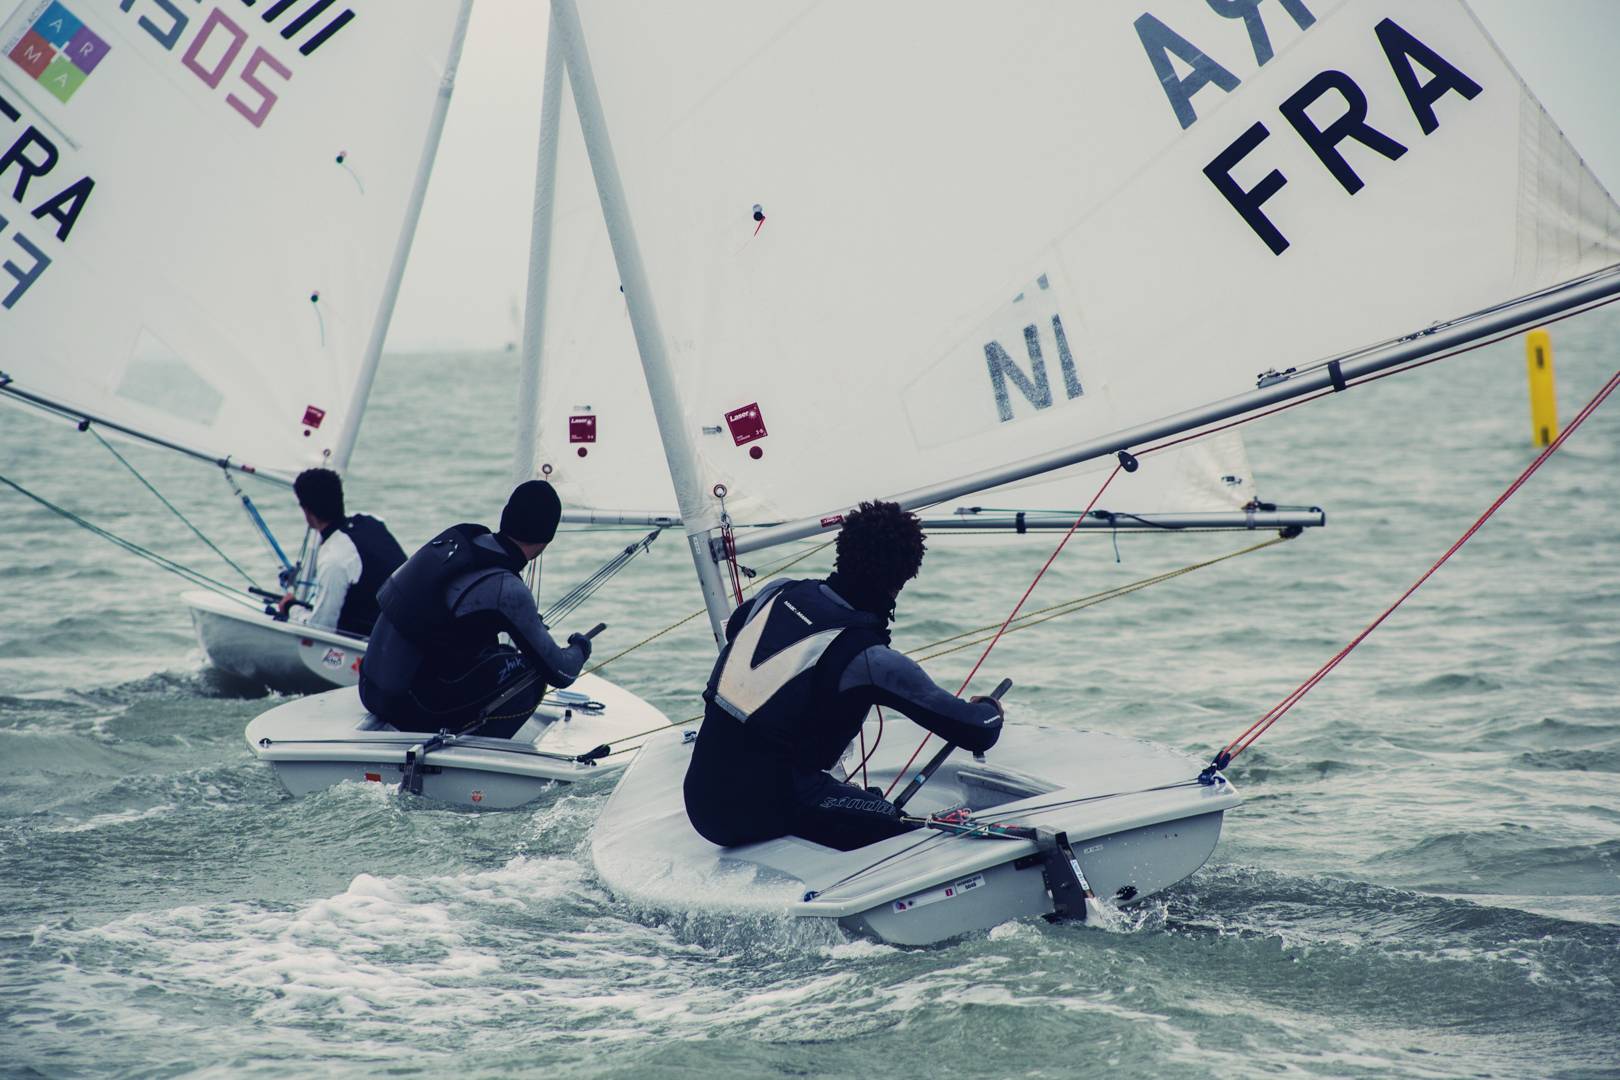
[355, 556]
[435, 661]
[804, 663]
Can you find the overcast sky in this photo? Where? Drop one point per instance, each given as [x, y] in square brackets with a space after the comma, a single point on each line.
[465, 281]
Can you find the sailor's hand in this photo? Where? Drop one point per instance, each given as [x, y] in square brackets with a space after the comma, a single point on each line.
[282, 607]
[583, 643]
[985, 699]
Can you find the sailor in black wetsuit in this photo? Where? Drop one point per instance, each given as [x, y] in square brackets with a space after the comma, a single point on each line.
[435, 660]
[804, 663]
[355, 556]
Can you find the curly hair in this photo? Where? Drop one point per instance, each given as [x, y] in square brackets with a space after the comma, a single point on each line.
[880, 546]
[320, 491]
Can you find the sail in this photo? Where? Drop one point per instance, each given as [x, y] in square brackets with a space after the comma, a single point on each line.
[598, 440]
[199, 206]
[889, 245]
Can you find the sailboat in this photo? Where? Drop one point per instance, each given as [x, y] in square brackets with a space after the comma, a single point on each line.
[203, 228]
[584, 732]
[924, 250]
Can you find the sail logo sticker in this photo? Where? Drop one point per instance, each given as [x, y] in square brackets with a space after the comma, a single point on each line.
[934, 896]
[746, 424]
[58, 50]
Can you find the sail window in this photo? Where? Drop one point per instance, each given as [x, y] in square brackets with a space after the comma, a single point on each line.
[159, 377]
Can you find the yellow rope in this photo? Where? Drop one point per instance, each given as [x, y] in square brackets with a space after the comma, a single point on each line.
[1067, 607]
[1025, 621]
[759, 579]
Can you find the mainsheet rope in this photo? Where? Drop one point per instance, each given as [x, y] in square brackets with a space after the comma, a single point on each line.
[1277, 711]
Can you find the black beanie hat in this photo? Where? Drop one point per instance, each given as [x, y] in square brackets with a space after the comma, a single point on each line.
[532, 513]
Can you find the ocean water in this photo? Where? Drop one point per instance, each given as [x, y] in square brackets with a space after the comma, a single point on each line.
[1424, 880]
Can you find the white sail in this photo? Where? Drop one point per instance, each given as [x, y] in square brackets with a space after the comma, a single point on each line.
[598, 440]
[1055, 221]
[201, 206]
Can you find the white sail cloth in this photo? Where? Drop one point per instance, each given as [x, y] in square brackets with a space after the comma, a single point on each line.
[244, 174]
[991, 231]
[598, 438]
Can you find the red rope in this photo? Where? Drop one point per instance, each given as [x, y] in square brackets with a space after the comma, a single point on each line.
[1010, 616]
[1260, 726]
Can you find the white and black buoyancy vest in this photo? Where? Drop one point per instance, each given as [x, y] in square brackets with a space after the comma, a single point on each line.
[781, 669]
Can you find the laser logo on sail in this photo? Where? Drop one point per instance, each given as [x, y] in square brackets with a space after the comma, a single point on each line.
[59, 51]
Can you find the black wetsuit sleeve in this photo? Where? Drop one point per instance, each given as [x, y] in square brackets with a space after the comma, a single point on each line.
[885, 677]
[506, 595]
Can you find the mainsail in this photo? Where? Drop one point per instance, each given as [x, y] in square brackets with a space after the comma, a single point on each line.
[204, 211]
[598, 439]
[923, 248]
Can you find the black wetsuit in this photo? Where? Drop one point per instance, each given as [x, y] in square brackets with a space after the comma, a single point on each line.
[435, 659]
[779, 718]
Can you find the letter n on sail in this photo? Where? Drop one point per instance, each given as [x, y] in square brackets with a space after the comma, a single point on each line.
[1042, 324]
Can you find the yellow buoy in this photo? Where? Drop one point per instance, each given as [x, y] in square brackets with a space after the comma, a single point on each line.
[1543, 399]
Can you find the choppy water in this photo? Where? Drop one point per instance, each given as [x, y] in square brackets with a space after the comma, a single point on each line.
[1424, 881]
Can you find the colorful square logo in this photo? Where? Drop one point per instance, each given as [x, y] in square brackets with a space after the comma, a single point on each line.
[33, 54]
[57, 25]
[58, 51]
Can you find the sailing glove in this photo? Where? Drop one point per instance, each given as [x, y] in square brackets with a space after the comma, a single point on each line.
[583, 643]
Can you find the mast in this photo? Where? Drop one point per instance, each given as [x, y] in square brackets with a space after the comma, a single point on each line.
[402, 248]
[534, 305]
[698, 513]
[1335, 374]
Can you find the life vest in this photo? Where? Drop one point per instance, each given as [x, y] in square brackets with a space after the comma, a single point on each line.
[380, 556]
[778, 676]
[414, 597]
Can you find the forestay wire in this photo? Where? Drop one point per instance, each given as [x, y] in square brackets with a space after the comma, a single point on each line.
[1276, 712]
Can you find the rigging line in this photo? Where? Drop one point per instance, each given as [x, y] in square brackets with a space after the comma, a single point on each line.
[1016, 607]
[1069, 607]
[195, 577]
[264, 529]
[1260, 726]
[910, 849]
[762, 577]
[576, 596]
[175, 510]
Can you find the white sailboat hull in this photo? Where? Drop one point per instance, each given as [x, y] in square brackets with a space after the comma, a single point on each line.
[1136, 819]
[240, 639]
[316, 742]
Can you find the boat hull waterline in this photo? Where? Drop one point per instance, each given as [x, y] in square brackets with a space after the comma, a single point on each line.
[1135, 817]
[320, 741]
